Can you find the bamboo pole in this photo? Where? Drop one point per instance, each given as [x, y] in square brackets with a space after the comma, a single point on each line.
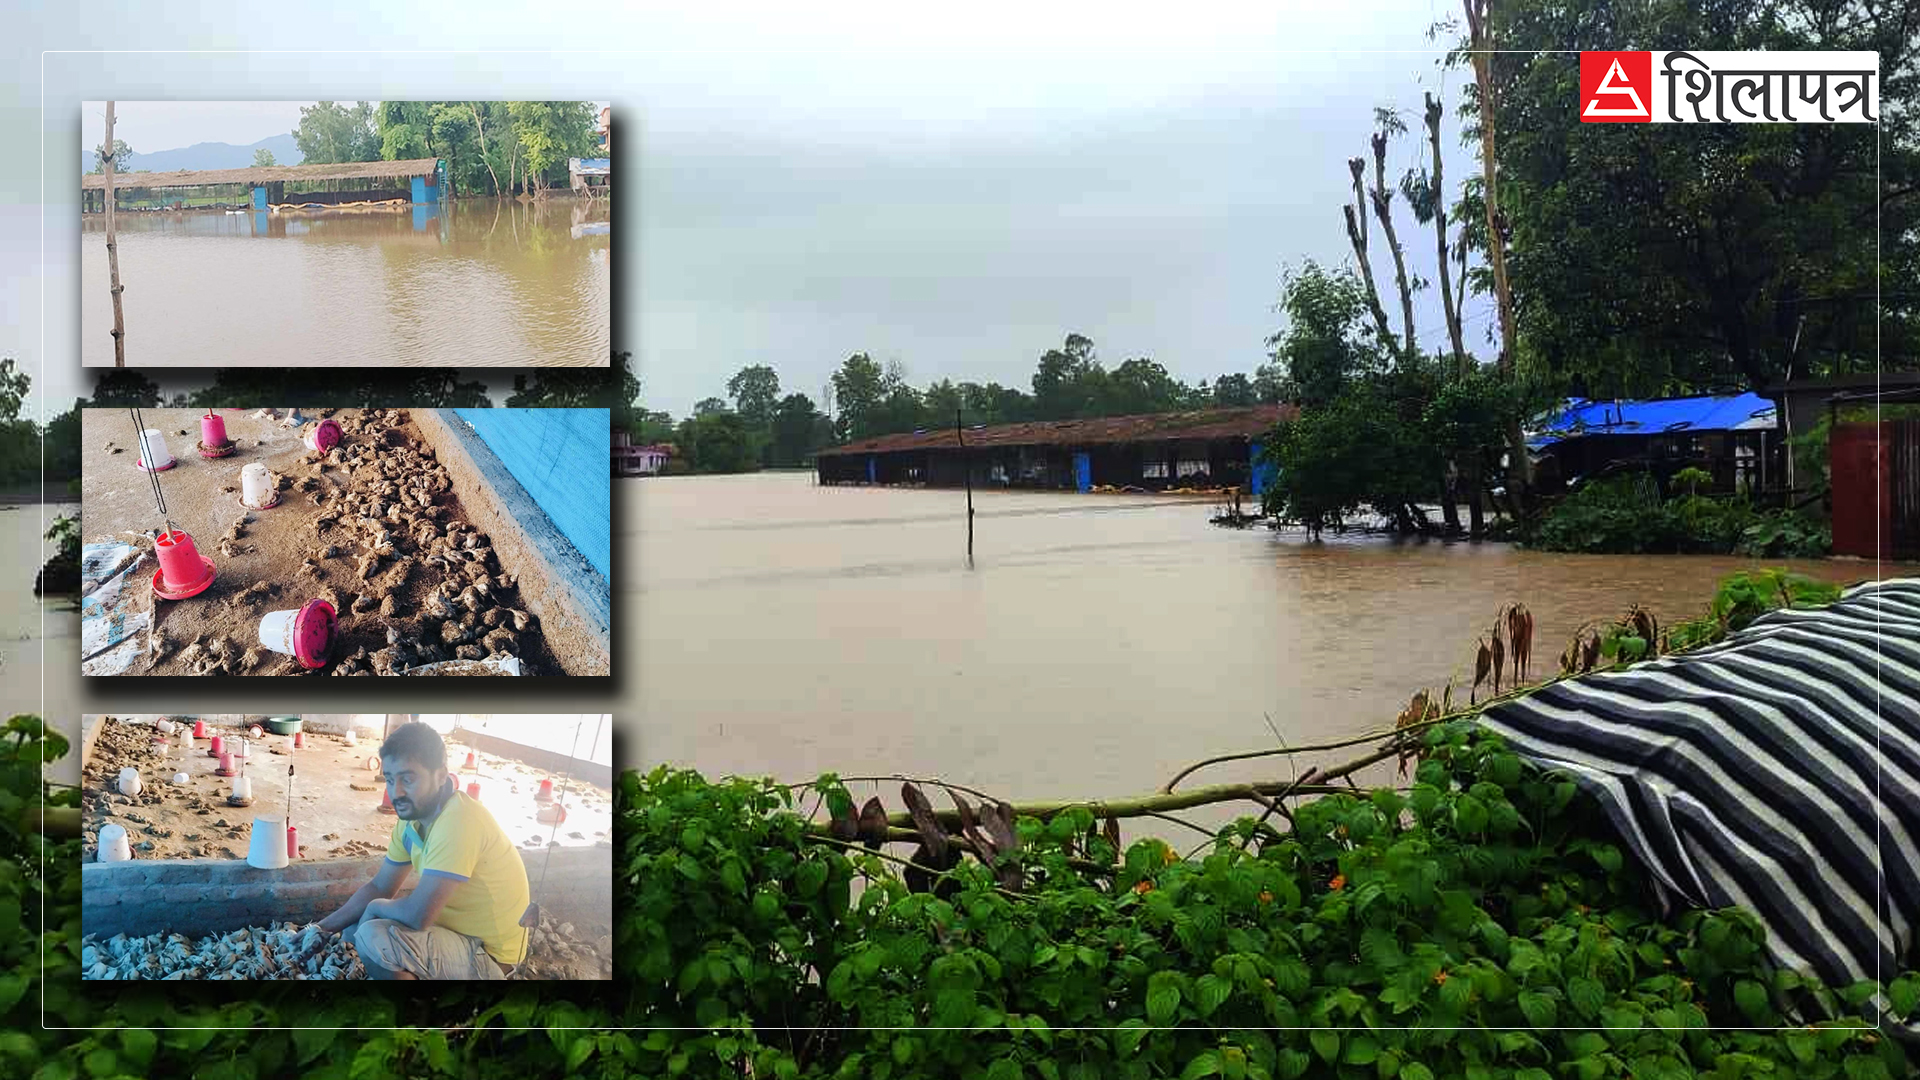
[966, 466]
[113, 249]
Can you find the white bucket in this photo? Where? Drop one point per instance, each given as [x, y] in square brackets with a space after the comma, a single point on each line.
[267, 847]
[179, 778]
[276, 633]
[256, 486]
[113, 844]
[242, 787]
[153, 449]
[129, 783]
[164, 727]
[352, 739]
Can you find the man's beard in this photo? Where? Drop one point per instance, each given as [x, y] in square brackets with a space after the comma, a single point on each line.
[409, 810]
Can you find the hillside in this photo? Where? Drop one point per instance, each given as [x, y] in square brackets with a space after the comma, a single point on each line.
[209, 155]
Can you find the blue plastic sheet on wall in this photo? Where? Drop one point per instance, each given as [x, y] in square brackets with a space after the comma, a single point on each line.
[560, 456]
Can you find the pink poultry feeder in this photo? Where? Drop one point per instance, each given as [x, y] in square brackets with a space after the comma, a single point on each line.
[306, 634]
[184, 572]
[213, 437]
[324, 436]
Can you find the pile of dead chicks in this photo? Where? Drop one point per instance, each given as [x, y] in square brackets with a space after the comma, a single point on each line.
[388, 524]
[281, 951]
[560, 951]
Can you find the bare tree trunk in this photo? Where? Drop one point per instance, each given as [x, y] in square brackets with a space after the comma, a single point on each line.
[480, 130]
[1480, 29]
[1447, 302]
[1357, 233]
[113, 250]
[1383, 209]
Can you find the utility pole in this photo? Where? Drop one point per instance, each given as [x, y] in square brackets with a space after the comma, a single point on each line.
[113, 249]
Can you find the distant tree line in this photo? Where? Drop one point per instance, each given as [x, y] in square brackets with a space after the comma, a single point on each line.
[756, 426]
[491, 147]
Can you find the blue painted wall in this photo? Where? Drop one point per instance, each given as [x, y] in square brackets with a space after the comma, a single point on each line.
[558, 455]
[1260, 475]
[1083, 471]
[873, 470]
[259, 198]
[419, 189]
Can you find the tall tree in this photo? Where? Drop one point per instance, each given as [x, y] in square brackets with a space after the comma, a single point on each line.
[1729, 254]
[1427, 196]
[1066, 382]
[1389, 124]
[263, 158]
[859, 388]
[796, 425]
[1326, 343]
[1356, 219]
[1482, 42]
[755, 391]
[330, 133]
[1234, 391]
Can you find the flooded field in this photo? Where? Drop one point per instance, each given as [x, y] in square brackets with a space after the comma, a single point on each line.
[471, 283]
[34, 632]
[1100, 643]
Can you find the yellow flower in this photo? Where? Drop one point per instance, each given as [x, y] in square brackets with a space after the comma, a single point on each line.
[1142, 888]
[1339, 882]
[1266, 897]
[1440, 977]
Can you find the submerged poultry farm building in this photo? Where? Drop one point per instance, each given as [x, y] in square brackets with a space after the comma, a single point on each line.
[1155, 452]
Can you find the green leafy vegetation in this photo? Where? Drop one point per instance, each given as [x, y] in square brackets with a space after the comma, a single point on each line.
[1479, 921]
[1627, 515]
[490, 147]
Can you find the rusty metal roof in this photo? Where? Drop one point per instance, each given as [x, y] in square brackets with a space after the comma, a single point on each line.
[264, 174]
[1153, 427]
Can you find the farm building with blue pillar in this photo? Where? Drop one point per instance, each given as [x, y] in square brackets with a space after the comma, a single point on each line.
[1206, 449]
[261, 188]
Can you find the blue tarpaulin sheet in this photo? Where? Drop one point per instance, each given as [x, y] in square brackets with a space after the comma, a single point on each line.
[559, 456]
[1719, 413]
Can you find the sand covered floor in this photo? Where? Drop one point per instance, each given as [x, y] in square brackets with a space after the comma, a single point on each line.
[336, 798]
[372, 527]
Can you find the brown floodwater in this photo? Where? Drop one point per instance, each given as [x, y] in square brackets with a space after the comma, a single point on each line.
[1098, 645]
[35, 633]
[470, 283]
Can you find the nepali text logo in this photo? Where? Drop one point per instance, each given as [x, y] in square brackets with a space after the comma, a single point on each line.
[1729, 87]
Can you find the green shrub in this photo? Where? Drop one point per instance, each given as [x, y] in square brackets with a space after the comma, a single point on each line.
[1625, 515]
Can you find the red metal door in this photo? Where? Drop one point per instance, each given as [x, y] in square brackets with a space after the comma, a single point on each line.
[1862, 503]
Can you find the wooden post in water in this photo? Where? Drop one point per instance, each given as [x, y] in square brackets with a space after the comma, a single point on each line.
[966, 467]
[113, 250]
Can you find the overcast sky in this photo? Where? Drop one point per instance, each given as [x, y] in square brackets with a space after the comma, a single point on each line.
[153, 126]
[956, 194]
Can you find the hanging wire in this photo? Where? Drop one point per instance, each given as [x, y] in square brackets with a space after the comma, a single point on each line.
[153, 475]
[526, 938]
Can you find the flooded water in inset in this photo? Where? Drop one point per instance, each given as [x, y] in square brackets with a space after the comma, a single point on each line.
[33, 631]
[470, 283]
[1099, 644]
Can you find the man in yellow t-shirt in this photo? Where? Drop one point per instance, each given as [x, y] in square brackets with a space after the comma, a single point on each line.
[462, 921]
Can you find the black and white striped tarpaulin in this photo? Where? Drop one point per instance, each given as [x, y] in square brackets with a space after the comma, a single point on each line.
[1778, 771]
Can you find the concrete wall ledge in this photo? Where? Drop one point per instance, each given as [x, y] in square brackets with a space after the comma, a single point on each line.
[210, 896]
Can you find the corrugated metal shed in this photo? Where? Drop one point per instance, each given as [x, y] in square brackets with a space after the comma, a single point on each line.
[263, 174]
[1250, 422]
